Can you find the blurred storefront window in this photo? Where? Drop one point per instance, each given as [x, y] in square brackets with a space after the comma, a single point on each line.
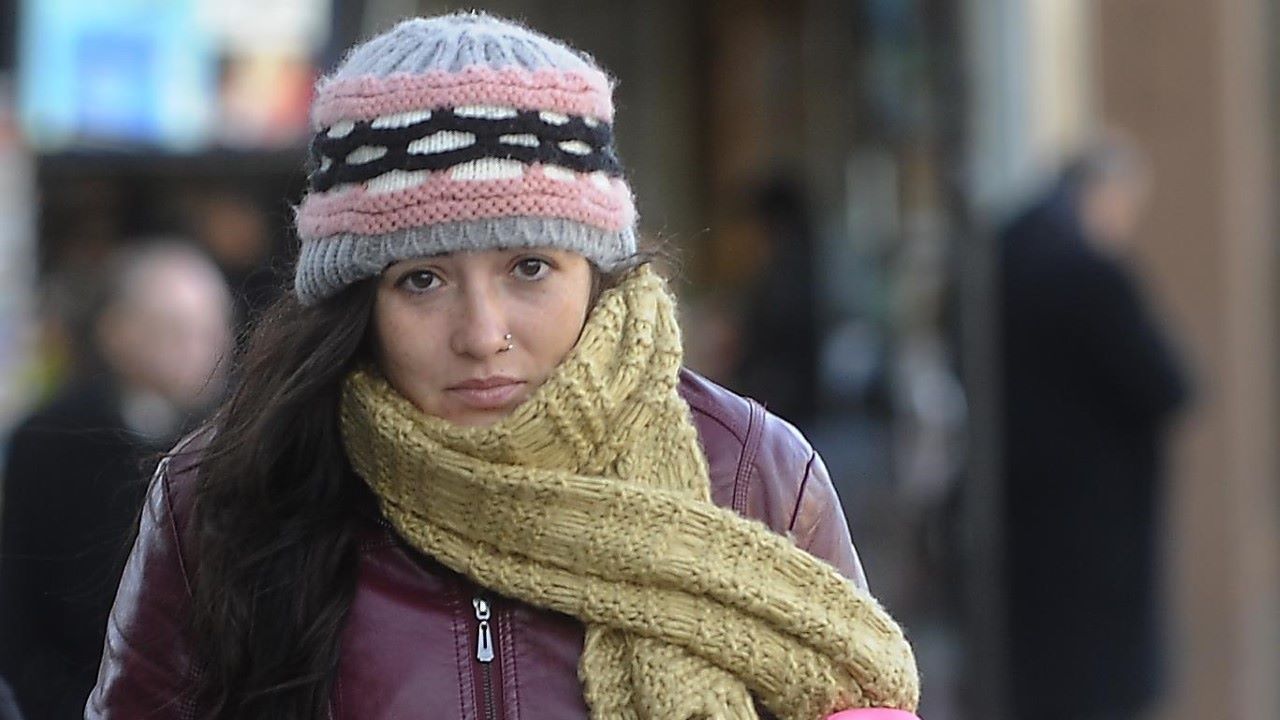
[175, 118]
[177, 75]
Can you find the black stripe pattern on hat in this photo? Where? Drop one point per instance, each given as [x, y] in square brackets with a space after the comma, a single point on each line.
[370, 149]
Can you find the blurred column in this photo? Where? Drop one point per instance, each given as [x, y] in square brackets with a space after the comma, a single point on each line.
[1191, 81]
[19, 381]
[1031, 103]
[1031, 96]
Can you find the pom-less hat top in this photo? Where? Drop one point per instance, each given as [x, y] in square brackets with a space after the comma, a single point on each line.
[459, 132]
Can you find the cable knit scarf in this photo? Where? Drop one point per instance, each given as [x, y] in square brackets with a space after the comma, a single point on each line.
[592, 499]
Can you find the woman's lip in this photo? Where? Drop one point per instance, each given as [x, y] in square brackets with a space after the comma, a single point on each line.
[485, 382]
[491, 397]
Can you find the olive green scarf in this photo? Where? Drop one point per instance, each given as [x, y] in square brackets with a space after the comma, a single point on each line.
[592, 499]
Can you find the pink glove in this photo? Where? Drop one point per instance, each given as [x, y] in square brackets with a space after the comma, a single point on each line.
[873, 714]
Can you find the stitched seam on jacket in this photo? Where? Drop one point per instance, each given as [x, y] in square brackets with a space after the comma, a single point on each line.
[509, 665]
[721, 420]
[804, 483]
[461, 644]
[163, 469]
[750, 446]
[700, 403]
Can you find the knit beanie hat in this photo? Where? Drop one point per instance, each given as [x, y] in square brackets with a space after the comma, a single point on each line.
[459, 132]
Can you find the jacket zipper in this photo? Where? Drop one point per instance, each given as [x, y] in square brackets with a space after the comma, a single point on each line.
[484, 653]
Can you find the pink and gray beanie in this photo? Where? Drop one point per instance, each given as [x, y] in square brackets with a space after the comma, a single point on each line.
[459, 132]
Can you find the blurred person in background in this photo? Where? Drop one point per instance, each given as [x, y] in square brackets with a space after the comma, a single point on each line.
[1090, 385]
[237, 234]
[779, 330]
[74, 478]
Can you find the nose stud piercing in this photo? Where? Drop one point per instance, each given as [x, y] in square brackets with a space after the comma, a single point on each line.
[507, 337]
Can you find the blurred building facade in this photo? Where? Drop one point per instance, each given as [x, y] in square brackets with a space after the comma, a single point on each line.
[907, 129]
[1193, 83]
[1199, 91]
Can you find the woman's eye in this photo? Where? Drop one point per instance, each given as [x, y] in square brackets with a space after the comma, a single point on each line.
[419, 281]
[531, 268]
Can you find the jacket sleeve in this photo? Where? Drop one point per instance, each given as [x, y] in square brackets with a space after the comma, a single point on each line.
[818, 522]
[792, 492]
[146, 667]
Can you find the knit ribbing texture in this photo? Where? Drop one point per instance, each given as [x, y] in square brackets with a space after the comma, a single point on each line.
[450, 122]
[592, 499]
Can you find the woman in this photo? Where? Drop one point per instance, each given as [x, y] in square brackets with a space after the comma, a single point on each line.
[465, 475]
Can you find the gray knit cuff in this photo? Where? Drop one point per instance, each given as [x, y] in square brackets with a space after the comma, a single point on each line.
[327, 265]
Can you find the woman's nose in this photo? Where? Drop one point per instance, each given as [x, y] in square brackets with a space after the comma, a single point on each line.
[481, 326]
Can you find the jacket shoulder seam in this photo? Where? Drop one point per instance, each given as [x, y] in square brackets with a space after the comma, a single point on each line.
[173, 525]
[719, 409]
[722, 420]
[804, 484]
[746, 464]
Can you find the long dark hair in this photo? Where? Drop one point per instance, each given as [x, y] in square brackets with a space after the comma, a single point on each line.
[276, 511]
[274, 546]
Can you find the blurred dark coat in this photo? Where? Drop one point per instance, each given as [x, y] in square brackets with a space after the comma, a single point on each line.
[74, 482]
[1090, 383]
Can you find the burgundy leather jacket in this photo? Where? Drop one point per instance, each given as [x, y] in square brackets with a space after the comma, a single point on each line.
[424, 642]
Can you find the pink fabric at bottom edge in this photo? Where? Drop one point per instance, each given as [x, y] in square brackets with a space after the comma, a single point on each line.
[873, 714]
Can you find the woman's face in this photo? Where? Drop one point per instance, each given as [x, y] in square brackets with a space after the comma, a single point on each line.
[442, 326]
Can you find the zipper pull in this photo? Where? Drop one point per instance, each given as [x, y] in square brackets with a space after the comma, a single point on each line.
[484, 641]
